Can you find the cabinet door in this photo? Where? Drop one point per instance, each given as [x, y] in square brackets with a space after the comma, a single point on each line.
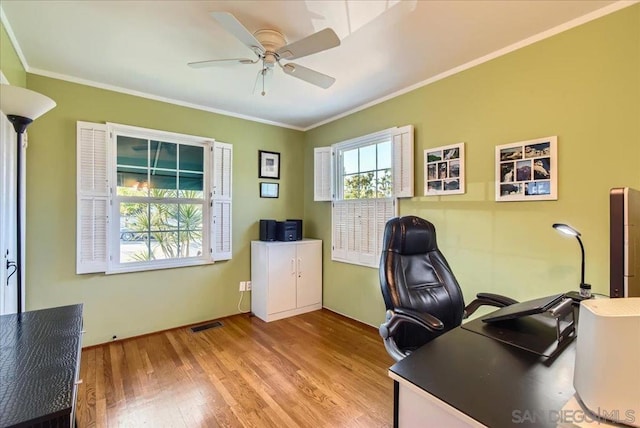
[309, 267]
[282, 278]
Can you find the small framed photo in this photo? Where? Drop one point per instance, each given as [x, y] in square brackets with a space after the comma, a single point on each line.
[527, 170]
[268, 164]
[444, 170]
[269, 190]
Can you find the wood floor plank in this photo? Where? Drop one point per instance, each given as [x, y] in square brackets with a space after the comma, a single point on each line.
[318, 369]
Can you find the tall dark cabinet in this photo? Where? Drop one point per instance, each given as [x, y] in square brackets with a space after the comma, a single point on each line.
[624, 242]
[39, 367]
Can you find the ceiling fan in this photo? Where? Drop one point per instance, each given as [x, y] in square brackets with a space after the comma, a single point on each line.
[271, 47]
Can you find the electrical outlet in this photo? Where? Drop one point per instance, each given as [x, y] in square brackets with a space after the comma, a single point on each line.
[243, 285]
[248, 286]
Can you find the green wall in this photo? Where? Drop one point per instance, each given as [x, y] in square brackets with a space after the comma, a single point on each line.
[582, 85]
[137, 303]
[9, 62]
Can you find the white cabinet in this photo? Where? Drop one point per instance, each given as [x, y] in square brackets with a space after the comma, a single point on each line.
[286, 278]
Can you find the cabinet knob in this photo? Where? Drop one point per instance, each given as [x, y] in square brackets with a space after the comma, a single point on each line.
[78, 382]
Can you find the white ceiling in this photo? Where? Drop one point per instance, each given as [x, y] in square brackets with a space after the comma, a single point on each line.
[387, 47]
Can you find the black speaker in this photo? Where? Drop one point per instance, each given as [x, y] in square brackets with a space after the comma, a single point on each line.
[286, 231]
[268, 230]
[298, 223]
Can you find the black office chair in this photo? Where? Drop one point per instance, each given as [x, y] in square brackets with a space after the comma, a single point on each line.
[422, 296]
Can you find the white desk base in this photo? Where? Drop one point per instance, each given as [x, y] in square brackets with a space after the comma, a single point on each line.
[418, 408]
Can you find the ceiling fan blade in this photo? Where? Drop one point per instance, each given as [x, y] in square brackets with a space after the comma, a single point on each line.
[308, 75]
[317, 42]
[215, 62]
[239, 31]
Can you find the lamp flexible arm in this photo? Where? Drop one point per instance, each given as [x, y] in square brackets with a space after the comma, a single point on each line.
[582, 266]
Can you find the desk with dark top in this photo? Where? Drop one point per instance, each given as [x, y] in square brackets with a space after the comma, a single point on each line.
[39, 366]
[464, 378]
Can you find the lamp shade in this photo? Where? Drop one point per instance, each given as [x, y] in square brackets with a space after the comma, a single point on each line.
[18, 101]
[566, 229]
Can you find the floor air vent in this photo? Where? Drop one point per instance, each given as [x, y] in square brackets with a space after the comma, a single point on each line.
[214, 324]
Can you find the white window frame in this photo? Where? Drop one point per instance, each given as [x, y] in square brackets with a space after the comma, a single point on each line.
[358, 224]
[98, 235]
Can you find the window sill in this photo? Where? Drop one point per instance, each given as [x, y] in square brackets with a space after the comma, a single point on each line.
[352, 262]
[142, 267]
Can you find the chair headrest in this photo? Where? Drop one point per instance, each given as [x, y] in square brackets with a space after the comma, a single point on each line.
[409, 235]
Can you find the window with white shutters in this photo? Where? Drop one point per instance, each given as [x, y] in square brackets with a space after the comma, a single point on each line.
[365, 176]
[149, 199]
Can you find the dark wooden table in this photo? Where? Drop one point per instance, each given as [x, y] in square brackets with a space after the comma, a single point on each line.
[39, 365]
[491, 382]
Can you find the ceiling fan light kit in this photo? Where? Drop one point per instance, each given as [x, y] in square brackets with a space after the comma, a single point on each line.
[270, 41]
[270, 46]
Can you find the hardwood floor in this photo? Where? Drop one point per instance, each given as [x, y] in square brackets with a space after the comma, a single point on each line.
[318, 369]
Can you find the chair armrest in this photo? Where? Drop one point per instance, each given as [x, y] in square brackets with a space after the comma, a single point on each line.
[487, 299]
[423, 319]
[498, 298]
[398, 316]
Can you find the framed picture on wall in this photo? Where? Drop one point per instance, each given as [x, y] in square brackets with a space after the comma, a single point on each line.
[444, 170]
[268, 164]
[527, 170]
[269, 190]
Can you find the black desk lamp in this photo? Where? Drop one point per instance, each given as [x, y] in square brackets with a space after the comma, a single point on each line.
[585, 289]
[22, 107]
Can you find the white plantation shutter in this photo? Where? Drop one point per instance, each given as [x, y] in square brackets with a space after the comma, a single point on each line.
[367, 224]
[385, 210]
[402, 154]
[92, 198]
[221, 201]
[322, 173]
[222, 230]
[353, 230]
[358, 225]
[222, 156]
[340, 230]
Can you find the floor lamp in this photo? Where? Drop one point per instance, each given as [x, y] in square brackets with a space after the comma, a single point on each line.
[22, 107]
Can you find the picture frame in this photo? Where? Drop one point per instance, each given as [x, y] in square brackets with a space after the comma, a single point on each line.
[527, 170]
[268, 164]
[444, 172]
[269, 190]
